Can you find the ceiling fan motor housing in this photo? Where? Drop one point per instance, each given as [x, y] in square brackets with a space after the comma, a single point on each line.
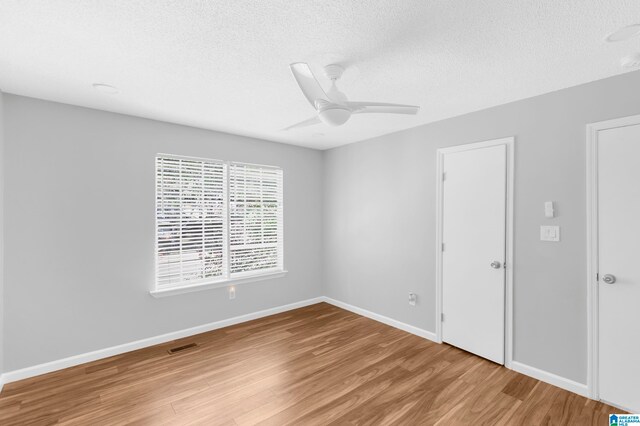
[334, 114]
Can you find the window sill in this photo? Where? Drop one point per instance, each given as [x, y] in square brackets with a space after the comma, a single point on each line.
[218, 284]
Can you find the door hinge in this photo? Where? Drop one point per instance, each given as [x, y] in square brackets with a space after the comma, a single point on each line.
[442, 248]
[442, 317]
[597, 276]
[444, 176]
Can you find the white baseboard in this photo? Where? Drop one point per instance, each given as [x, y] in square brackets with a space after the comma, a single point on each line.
[627, 409]
[553, 379]
[385, 320]
[36, 370]
[536, 373]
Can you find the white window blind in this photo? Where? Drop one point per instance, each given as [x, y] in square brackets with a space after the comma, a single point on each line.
[216, 221]
[255, 218]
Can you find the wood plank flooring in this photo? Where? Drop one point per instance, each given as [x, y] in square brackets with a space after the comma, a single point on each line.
[317, 365]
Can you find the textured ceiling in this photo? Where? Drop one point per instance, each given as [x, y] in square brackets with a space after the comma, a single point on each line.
[223, 65]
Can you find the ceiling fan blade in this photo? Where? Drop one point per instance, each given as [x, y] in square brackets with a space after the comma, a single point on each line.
[308, 83]
[380, 107]
[308, 122]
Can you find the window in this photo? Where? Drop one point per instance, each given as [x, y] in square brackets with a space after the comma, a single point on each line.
[216, 221]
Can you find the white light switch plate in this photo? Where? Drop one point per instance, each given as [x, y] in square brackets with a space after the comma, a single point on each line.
[550, 233]
[548, 209]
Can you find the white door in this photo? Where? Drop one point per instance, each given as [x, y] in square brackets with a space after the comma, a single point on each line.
[619, 260]
[473, 274]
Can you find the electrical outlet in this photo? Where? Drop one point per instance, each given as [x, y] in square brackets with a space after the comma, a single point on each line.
[232, 292]
[412, 299]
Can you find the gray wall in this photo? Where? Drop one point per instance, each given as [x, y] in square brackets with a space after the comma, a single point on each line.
[79, 224]
[379, 214]
[80, 229]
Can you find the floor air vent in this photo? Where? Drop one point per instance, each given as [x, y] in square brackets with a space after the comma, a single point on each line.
[182, 348]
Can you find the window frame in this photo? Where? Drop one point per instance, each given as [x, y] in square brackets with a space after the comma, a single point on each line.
[228, 278]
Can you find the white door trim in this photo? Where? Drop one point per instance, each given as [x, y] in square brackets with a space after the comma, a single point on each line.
[592, 245]
[508, 323]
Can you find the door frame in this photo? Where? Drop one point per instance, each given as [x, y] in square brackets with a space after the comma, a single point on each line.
[593, 319]
[509, 143]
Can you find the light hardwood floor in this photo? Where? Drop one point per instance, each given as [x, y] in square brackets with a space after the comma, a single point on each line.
[315, 365]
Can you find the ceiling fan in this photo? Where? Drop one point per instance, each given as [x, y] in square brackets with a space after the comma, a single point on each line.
[333, 107]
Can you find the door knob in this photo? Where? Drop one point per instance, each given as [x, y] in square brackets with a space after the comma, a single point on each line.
[609, 279]
[495, 264]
